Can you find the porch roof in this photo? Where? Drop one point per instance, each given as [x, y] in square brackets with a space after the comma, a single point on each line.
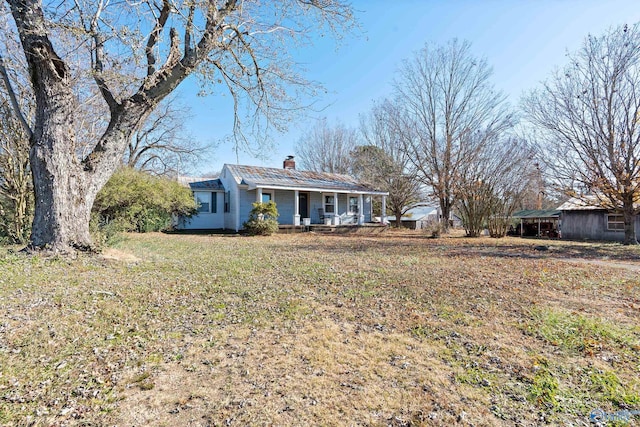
[291, 179]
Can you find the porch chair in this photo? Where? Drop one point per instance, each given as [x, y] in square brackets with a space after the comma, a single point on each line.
[321, 215]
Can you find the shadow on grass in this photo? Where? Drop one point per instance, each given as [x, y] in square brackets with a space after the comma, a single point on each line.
[203, 232]
[356, 239]
[509, 247]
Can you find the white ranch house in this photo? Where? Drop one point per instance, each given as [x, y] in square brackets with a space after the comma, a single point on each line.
[302, 197]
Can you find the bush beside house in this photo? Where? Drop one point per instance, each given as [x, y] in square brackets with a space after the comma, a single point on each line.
[263, 219]
[137, 201]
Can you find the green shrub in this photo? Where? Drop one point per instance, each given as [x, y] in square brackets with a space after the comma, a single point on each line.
[263, 219]
[106, 233]
[137, 201]
[16, 214]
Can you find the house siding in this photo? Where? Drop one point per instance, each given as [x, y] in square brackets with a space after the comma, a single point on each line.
[206, 220]
[246, 199]
[315, 204]
[231, 186]
[590, 225]
[285, 202]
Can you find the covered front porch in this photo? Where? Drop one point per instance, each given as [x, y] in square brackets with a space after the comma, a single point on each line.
[306, 206]
[537, 223]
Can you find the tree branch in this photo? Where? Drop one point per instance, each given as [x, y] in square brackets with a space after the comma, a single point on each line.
[155, 36]
[97, 59]
[163, 81]
[14, 100]
[188, 30]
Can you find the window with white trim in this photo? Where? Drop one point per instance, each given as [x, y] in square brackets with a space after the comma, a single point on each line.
[203, 200]
[329, 206]
[353, 205]
[615, 222]
[267, 197]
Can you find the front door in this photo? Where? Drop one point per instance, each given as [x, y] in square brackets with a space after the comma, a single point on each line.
[303, 205]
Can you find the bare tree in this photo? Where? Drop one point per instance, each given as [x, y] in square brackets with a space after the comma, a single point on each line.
[588, 114]
[384, 162]
[450, 110]
[239, 45]
[493, 184]
[327, 149]
[16, 189]
[16, 192]
[163, 146]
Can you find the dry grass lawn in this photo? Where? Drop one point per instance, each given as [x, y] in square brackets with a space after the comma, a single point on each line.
[392, 329]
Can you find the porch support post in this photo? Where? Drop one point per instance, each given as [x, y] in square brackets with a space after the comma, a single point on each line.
[360, 210]
[258, 194]
[521, 227]
[335, 209]
[296, 208]
[383, 214]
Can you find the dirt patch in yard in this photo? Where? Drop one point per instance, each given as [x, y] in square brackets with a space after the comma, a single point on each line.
[112, 254]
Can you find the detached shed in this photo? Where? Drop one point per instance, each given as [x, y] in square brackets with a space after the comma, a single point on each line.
[538, 223]
[417, 218]
[588, 219]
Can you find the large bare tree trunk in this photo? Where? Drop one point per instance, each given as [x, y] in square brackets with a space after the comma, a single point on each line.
[445, 210]
[62, 207]
[628, 213]
[397, 211]
[65, 188]
[63, 203]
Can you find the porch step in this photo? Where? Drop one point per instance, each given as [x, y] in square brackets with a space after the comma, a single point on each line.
[318, 228]
[348, 228]
[287, 229]
[326, 229]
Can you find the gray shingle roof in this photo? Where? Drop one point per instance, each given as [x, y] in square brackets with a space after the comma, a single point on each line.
[291, 178]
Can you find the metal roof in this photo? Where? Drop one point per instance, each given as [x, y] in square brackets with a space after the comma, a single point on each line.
[591, 202]
[536, 213]
[210, 184]
[255, 176]
[417, 213]
[584, 203]
[201, 183]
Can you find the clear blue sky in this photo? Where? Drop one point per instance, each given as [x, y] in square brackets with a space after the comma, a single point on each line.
[523, 40]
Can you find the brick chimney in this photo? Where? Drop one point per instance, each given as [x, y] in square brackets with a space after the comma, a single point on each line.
[289, 163]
